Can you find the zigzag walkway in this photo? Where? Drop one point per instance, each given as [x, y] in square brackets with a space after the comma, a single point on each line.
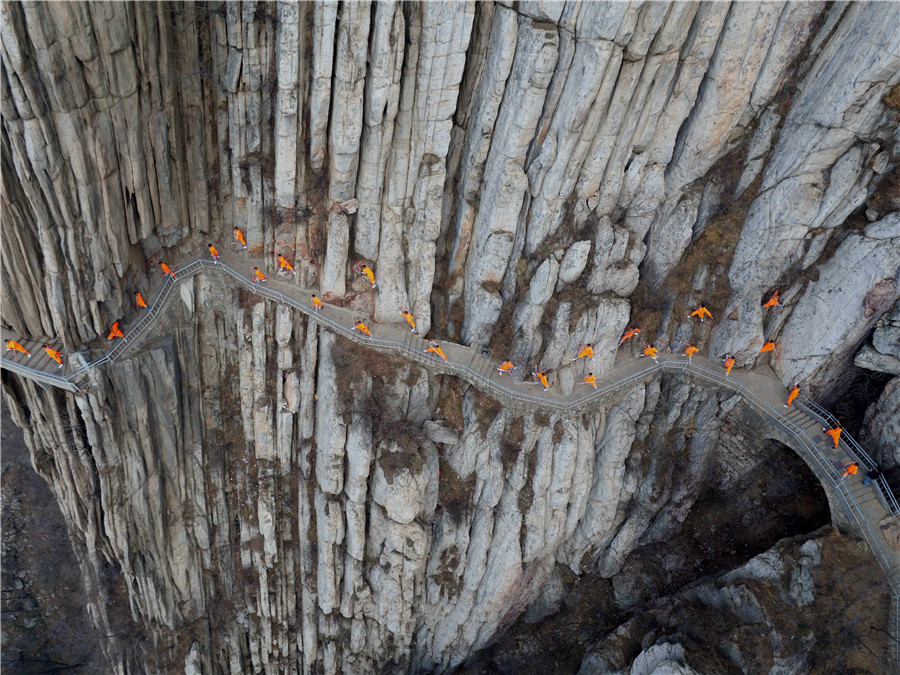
[863, 507]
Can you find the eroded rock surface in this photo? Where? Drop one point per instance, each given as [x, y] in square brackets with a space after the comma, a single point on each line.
[529, 177]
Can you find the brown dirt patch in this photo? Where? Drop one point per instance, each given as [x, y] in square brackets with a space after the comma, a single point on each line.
[454, 493]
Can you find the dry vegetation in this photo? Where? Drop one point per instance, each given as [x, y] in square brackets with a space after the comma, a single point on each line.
[454, 493]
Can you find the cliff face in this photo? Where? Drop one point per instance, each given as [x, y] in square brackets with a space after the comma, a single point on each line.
[529, 177]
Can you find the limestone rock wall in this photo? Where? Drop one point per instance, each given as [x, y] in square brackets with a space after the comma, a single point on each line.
[529, 176]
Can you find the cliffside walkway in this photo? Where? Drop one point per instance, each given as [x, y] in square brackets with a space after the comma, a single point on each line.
[865, 508]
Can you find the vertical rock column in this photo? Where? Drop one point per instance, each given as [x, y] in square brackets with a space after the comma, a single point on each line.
[411, 215]
[505, 183]
[344, 137]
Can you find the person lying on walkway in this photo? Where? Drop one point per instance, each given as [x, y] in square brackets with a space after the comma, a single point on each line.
[240, 237]
[166, 270]
[53, 354]
[587, 352]
[774, 302]
[591, 380]
[652, 352]
[316, 303]
[630, 333]
[139, 300]
[792, 396]
[541, 377]
[115, 332]
[214, 252]
[850, 470]
[689, 351]
[700, 312]
[435, 348]
[506, 367]
[405, 313]
[16, 347]
[362, 328]
[834, 433]
[363, 268]
[258, 277]
[285, 266]
[729, 364]
[872, 474]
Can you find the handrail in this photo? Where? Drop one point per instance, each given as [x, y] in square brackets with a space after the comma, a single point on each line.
[827, 418]
[574, 404]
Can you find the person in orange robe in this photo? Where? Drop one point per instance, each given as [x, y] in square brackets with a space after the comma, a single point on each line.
[690, 350]
[362, 328]
[316, 303]
[139, 300]
[792, 396]
[591, 380]
[53, 354]
[542, 378]
[729, 364]
[405, 313]
[587, 352]
[850, 470]
[16, 347]
[115, 332]
[436, 349]
[834, 433]
[258, 276]
[370, 275]
[285, 266]
[774, 302]
[652, 352]
[630, 333]
[214, 252]
[506, 367]
[700, 312]
[166, 270]
[240, 237]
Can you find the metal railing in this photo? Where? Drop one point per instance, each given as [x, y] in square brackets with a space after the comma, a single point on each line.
[412, 347]
[826, 418]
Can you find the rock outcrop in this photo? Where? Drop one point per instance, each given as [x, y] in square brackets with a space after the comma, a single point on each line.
[527, 177]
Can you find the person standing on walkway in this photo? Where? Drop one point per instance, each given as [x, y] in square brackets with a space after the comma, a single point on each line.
[850, 470]
[591, 380]
[689, 351]
[585, 352]
[652, 352]
[167, 271]
[285, 266]
[213, 251]
[362, 328]
[53, 354]
[258, 277]
[628, 334]
[541, 377]
[435, 348]
[774, 302]
[116, 332]
[240, 237]
[792, 396]
[16, 347]
[139, 300]
[729, 364]
[316, 303]
[700, 312]
[834, 433]
[406, 314]
[872, 474]
[506, 367]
